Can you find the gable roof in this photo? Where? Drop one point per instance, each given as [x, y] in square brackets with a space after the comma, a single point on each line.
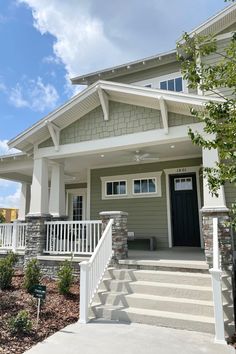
[214, 24]
[99, 94]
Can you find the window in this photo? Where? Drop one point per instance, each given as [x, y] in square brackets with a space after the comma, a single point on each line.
[183, 184]
[172, 85]
[115, 188]
[77, 207]
[148, 85]
[144, 185]
[138, 185]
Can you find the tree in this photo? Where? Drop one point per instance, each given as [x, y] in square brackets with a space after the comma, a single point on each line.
[2, 218]
[219, 118]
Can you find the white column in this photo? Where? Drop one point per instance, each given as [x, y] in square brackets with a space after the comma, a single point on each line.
[24, 201]
[57, 192]
[39, 189]
[210, 157]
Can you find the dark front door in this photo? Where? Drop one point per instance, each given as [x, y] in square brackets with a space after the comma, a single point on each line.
[184, 210]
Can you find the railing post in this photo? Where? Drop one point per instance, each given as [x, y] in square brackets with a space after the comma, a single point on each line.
[14, 237]
[84, 291]
[217, 288]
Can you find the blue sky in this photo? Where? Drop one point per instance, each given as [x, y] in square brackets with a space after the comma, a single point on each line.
[44, 42]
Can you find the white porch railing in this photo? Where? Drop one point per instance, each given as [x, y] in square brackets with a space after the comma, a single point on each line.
[92, 271]
[216, 274]
[72, 237]
[12, 236]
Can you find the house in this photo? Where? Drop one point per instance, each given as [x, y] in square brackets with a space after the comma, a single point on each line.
[122, 145]
[10, 214]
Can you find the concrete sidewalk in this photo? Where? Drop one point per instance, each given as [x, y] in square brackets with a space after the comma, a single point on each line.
[106, 337]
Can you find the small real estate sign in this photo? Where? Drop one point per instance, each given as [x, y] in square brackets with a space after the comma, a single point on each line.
[39, 291]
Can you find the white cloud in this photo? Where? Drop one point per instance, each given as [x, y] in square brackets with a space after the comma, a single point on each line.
[3, 87]
[81, 43]
[50, 59]
[11, 200]
[4, 149]
[34, 94]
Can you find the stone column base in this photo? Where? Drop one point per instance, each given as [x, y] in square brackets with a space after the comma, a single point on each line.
[119, 233]
[224, 235]
[35, 236]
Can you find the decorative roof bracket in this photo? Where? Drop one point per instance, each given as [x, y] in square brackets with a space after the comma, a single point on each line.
[164, 114]
[54, 131]
[104, 100]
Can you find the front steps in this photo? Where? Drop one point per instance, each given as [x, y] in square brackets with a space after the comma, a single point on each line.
[177, 299]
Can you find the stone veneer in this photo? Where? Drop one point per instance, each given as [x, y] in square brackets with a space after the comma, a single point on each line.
[119, 232]
[224, 236]
[35, 236]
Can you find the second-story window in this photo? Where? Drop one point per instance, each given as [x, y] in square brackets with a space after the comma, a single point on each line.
[172, 85]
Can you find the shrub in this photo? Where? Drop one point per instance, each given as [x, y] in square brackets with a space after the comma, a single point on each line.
[32, 275]
[21, 323]
[65, 275]
[7, 270]
[12, 258]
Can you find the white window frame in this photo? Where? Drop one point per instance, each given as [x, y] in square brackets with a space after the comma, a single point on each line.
[115, 195]
[129, 178]
[174, 78]
[144, 179]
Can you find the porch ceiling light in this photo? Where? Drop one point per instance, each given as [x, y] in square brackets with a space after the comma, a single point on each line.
[172, 146]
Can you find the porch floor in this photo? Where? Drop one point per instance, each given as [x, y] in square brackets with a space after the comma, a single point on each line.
[180, 257]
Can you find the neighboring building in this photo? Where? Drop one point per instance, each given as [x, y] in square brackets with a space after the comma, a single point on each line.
[10, 214]
[123, 144]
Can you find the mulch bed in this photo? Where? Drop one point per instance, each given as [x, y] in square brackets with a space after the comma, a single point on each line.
[56, 312]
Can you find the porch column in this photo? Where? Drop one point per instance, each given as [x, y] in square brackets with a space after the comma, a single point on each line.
[24, 201]
[39, 212]
[119, 232]
[215, 207]
[57, 192]
[39, 189]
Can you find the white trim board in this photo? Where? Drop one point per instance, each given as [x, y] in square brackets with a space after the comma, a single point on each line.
[176, 171]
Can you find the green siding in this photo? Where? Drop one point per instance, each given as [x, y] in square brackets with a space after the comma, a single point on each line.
[147, 216]
[76, 185]
[214, 59]
[123, 119]
[230, 194]
[149, 73]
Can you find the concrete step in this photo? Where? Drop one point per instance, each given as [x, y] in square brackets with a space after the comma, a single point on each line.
[165, 265]
[161, 276]
[154, 317]
[159, 303]
[160, 289]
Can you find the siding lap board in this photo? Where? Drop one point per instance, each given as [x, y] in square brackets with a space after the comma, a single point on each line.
[147, 216]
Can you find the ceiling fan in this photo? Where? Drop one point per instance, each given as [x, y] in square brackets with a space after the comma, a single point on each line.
[139, 156]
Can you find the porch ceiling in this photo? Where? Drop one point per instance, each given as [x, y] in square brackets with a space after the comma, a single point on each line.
[76, 167]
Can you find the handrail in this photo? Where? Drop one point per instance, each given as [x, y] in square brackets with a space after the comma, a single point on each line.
[92, 271]
[216, 274]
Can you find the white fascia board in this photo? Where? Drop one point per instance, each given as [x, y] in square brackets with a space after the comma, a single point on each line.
[157, 93]
[51, 117]
[212, 20]
[15, 166]
[104, 100]
[136, 140]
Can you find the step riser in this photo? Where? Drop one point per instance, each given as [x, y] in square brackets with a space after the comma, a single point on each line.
[160, 291]
[164, 277]
[120, 315]
[173, 268]
[160, 305]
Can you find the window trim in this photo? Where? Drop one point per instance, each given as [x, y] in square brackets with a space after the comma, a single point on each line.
[129, 178]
